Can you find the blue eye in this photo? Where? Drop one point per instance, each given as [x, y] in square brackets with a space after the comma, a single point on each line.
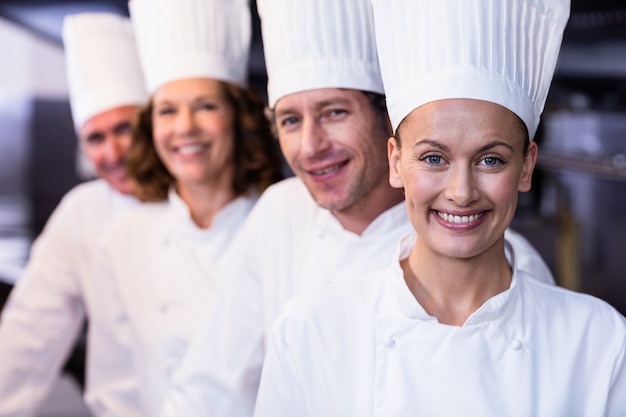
[433, 159]
[492, 161]
[289, 121]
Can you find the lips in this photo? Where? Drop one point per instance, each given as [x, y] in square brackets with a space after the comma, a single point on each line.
[457, 219]
[327, 169]
[117, 171]
[191, 148]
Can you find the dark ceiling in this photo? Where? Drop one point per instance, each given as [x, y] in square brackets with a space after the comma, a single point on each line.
[591, 21]
[45, 18]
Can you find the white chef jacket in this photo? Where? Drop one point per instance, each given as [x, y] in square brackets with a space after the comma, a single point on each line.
[47, 307]
[162, 268]
[367, 348]
[291, 246]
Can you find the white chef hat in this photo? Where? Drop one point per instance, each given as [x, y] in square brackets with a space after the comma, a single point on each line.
[312, 44]
[102, 66]
[192, 38]
[493, 50]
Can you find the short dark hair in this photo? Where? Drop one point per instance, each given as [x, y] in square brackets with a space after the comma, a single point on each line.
[379, 104]
[256, 154]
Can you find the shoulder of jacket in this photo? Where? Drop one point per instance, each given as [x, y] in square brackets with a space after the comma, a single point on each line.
[288, 194]
[572, 305]
[85, 195]
[342, 298]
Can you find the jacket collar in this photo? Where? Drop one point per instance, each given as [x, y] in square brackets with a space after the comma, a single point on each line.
[178, 220]
[389, 220]
[401, 301]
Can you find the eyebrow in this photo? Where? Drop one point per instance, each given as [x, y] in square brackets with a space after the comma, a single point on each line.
[94, 135]
[100, 134]
[483, 148]
[122, 125]
[495, 144]
[433, 143]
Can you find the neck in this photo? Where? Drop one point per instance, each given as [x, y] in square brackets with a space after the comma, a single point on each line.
[452, 289]
[205, 201]
[359, 216]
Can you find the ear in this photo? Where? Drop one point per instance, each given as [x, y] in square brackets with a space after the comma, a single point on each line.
[529, 166]
[393, 153]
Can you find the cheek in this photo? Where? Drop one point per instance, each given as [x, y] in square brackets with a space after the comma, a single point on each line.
[226, 131]
[501, 188]
[124, 142]
[376, 152]
[363, 138]
[226, 147]
[221, 128]
[95, 155]
[160, 133]
[288, 146]
[421, 187]
[218, 124]
[422, 190]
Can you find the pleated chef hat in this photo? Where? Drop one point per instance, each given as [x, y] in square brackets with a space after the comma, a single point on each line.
[312, 44]
[102, 66]
[180, 39]
[504, 52]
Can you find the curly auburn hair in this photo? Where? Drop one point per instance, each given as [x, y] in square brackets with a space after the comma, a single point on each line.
[256, 156]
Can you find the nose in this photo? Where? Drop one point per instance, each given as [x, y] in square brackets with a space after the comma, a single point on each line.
[184, 124]
[461, 187]
[114, 148]
[313, 140]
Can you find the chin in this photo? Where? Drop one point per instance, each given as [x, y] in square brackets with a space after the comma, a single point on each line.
[331, 203]
[460, 250]
[125, 187]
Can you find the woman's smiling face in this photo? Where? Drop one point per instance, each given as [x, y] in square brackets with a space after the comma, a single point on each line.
[193, 125]
[461, 163]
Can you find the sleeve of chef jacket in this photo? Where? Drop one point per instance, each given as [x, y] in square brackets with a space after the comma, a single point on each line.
[220, 373]
[43, 315]
[280, 393]
[112, 387]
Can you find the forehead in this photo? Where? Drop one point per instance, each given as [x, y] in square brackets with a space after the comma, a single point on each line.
[319, 98]
[108, 119]
[462, 118]
[188, 88]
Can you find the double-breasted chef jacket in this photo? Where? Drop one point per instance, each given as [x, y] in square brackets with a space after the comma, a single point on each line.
[290, 246]
[367, 348]
[160, 269]
[47, 307]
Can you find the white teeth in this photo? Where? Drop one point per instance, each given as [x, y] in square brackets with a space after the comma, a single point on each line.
[459, 219]
[326, 170]
[189, 149]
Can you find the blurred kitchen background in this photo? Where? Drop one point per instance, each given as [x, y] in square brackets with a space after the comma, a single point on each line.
[575, 215]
